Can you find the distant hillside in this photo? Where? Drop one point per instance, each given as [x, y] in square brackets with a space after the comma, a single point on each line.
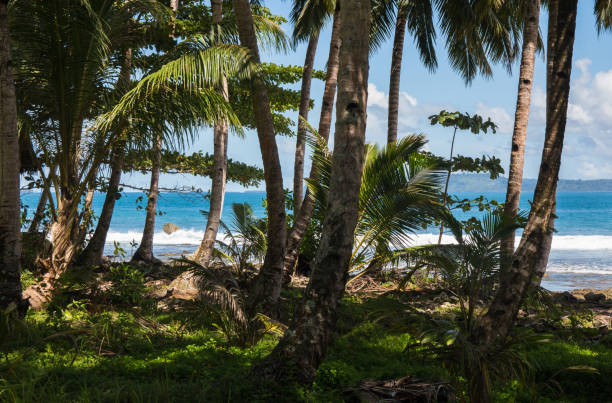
[482, 183]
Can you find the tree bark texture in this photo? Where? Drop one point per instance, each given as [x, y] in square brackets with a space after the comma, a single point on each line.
[303, 216]
[10, 217]
[300, 144]
[93, 255]
[144, 253]
[40, 211]
[532, 253]
[395, 76]
[219, 173]
[521, 120]
[305, 344]
[268, 283]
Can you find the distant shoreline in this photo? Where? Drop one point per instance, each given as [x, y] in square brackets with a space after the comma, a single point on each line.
[482, 183]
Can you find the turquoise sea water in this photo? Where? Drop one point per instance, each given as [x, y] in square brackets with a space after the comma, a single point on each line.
[581, 255]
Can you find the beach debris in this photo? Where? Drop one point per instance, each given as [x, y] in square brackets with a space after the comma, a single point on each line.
[157, 289]
[565, 298]
[185, 286]
[406, 389]
[169, 228]
[594, 298]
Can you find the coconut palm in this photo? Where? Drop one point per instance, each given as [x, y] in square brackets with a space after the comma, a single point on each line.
[528, 263]
[476, 33]
[267, 289]
[10, 242]
[308, 18]
[469, 269]
[311, 19]
[530, 259]
[304, 346]
[64, 61]
[244, 240]
[219, 176]
[69, 86]
[400, 192]
[521, 116]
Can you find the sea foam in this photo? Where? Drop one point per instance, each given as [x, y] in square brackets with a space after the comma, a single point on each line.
[194, 237]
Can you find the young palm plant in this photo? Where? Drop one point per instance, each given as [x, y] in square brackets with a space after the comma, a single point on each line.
[400, 192]
[244, 241]
[470, 270]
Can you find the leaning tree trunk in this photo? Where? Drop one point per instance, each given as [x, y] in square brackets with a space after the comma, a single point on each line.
[521, 120]
[219, 172]
[10, 235]
[40, 212]
[144, 253]
[302, 217]
[532, 252]
[93, 255]
[305, 344]
[300, 144]
[268, 284]
[396, 70]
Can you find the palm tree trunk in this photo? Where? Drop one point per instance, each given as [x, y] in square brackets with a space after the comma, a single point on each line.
[396, 70]
[268, 284]
[300, 144]
[521, 120]
[531, 254]
[304, 346]
[302, 217]
[10, 235]
[93, 255]
[40, 212]
[144, 253]
[219, 173]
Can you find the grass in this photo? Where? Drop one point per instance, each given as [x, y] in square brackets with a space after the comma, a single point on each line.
[115, 352]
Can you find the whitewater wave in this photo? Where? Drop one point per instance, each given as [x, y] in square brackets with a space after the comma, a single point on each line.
[180, 237]
[194, 237]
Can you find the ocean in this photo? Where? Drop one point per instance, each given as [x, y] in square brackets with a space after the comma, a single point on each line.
[581, 255]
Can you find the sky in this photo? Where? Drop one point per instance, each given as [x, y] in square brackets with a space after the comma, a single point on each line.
[587, 152]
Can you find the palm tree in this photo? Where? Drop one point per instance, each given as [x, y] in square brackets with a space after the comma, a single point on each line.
[219, 175]
[144, 253]
[418, 15]
[268, 286]
[304, 214]
[305, 344]
[64, 54]
[530, 259]
[400, 192]
[10, 236]
[476, 33]
[244, 240]
[521, 116]
[93, 254]
[470, 270]
[69, 84]
[308, 17]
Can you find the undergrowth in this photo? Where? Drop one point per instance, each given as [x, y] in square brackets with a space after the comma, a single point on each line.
[122, 352]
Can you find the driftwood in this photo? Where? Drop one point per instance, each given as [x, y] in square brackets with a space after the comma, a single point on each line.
[405, 389]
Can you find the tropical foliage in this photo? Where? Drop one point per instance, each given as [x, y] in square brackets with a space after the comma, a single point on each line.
[399, 195]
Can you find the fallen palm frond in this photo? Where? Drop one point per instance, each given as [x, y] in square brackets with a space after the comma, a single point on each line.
[406, 389]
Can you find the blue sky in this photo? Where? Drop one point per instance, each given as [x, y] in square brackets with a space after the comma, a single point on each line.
[588, 143]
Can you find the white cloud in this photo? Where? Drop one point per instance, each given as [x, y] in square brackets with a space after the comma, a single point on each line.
[377, 97]
[412, 117]
[498, 115]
